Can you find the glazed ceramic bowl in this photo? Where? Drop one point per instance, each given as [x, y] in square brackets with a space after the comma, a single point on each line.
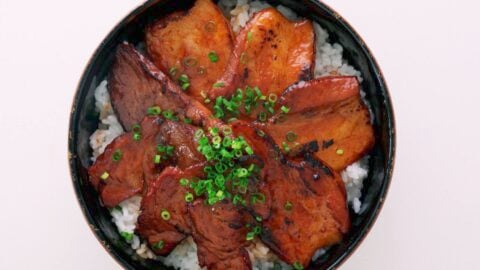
[84, 121]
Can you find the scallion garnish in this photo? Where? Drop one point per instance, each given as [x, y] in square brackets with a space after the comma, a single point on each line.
[159, 245]
[185, 86]
[219, 84]
[189, 197]
[128, 236]
[104, 176]
[165, 215]
[288, 206]
[173, 71]
[284, 109]
[297, 266]
[154, 110]
[210, 26]
[183, 78]
[168, 115]
[157, 159]
[187, 120]
[137, 136]
[291, 136]
[262, 117]
[272, 98]
[258, 198]
[260, 133]
[224, 178]
[213, 56]
[117, 155]
[184, 182]
[136, 128]
[285, 147]
[137, 132]
[189, 61]
[184, 81]
[249, 36]
[250, 236]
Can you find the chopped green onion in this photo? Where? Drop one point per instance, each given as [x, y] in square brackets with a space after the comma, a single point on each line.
[137, 136]
[168, 114]
[284, 109]
[189, 61]
[219, 84]
[272, 98]
[136, 128]
[285, 146]
[189, 197]
[157, 159]
[213, 131]
[210, 26]
[260, 133]
[297, 266]
[291, 136]
[185, 86]
[128, 236]
[154, 110]
[104, 176]
[117, 155]
[187, 120]
[258, 197]
[184, 181]
[183, 78]
[213, 56]
[262, 117]
[169, 149]
[198, 133]
[159, 245]
[165, 215]
[248, 150]
[288, 206]
[227, 130]
[249, 36]
[340, 152]
[173, 71]
[257, 230]
[250, 236]
[258, 218]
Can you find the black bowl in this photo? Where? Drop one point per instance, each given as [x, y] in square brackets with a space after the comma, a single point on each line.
[84, 121]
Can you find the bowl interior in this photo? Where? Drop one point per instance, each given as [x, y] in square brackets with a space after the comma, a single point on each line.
[84, 120]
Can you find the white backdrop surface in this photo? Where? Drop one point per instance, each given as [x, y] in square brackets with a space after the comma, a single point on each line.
[429, 52]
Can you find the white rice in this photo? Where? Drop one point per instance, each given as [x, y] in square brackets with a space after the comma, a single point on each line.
[111, 129]
[329, 61]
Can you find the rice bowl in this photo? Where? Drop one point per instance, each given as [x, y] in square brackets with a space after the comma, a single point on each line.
[329, 60]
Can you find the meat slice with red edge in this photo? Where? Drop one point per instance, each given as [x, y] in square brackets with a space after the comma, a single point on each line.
[196, 43]
[271, 52]
[329, 111]
[140, 159]
[220, 234]
[163, 221]
[308, 201]
[136, 84]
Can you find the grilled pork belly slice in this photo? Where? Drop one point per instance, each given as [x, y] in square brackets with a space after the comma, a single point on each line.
[197, 43]
[271, 52]
[331, 112]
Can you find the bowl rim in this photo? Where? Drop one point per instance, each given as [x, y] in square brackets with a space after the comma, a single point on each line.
[389, 111]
